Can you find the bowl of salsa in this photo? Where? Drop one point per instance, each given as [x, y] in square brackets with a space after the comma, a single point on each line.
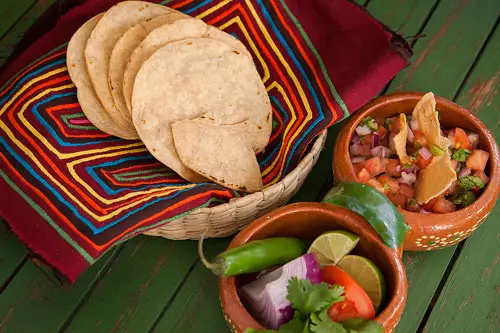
[344, 276]
[436, 161]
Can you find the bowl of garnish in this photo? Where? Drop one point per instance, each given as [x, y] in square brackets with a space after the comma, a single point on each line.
[310, 267]
[436, 161]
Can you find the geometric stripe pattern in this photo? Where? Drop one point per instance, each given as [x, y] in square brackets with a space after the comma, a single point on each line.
[96, 190]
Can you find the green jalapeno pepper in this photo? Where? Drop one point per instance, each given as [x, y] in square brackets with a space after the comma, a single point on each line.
[255, 256]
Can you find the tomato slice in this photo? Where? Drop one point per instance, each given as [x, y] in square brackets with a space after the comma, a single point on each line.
[420, 140]
[443, 206]
[376, 184]
[390, 184]
[428, 206]
[357, 304]
[397, 199]
[376, 165]
[392, 167]
[477, 160]
[462, 139]
[382, 132]
[406, 190]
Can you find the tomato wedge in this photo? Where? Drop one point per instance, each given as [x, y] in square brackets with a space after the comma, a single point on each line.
[462, 139]
[356, 304]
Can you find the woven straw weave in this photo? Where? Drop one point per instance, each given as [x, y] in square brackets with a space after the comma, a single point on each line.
[228, 218]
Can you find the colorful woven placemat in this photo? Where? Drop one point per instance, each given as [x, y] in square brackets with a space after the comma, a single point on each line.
[70, 192]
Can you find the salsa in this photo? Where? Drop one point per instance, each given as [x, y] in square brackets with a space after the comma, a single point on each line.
[376, 163]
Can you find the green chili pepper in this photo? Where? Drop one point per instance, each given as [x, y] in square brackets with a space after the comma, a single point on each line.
[375, 207]
[255, 256]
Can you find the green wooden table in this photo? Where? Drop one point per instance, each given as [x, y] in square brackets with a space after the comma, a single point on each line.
[153, 284]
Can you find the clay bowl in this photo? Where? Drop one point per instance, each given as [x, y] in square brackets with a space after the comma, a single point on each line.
[429, 231]
[307, 221]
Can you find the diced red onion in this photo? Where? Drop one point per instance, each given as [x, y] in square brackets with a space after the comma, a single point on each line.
[363, 130]
[414, 125]
[407, 178]
[358, 159]
[266, 297]
[474, 140]
[411, 136]
[358, 149]
[381, 151]
[451, 138]
[425, 211]
[355, 138]
[398, 168]
[375, 139]
[425, 153]
[464, 172]
[410, 169]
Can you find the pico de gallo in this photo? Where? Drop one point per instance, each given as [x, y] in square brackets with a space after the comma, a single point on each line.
[376, 163]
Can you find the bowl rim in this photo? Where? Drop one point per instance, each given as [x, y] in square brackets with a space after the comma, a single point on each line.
[393, 309]
[492, 189]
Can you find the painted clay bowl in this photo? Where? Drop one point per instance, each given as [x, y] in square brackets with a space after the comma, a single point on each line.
[309, 220]
[429, 231]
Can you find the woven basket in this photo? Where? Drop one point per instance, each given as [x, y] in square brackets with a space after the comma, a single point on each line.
[228, 218]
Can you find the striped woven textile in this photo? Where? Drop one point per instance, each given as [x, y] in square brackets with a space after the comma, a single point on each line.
[70, 192]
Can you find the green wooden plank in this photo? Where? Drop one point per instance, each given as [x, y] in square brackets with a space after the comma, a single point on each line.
[34, 303]
[11, 11]
[470, 300]
[440, 64]
[141, 281]
[12, 252]
[196, 308]
[9, 41]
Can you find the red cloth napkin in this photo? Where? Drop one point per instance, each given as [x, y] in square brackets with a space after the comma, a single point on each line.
[71, 192]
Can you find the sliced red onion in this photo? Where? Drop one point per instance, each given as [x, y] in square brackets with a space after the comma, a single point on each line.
[358, 159]
[425, 153]
[474, 140]
[414, 125]
[355, 138]
[375, 139]
[411, 136]
[266, 297]
[407, 178]
[451, 138]
[363, 130]
[381, 151]
[464, 172]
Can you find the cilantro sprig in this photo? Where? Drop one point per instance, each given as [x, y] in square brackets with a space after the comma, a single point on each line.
[470, 182]
[311, 303]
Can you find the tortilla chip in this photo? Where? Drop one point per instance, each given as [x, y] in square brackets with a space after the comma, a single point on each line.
[428, 122]
[401, 138]
[435, 179]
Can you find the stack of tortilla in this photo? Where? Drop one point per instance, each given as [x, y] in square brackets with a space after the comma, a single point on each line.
[189, 91]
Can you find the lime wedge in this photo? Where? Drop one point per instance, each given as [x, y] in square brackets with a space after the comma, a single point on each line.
[367, 275]
[331, 246]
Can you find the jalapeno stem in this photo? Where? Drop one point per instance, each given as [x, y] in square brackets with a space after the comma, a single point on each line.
[218, 266]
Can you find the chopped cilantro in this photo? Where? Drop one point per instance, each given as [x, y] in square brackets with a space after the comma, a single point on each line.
[362, 326]
[370, 122]
[436, 151]
[464, 198]
[321, 323]
[461, 154]
[470, 182]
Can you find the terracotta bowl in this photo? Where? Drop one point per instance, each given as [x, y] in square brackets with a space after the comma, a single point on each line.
[309, 220]
[429, 231]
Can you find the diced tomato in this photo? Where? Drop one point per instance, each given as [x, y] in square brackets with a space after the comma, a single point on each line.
[482, 175]
[357, 168]
[382, 132]
[376, 184]
[395, 125]
[422, 160]
[392, 167]
[412, 206]
[477, 160]
[376, 165]
[366, 140]
[364, 175]
[357, 303]
[461, 139]
[443, 206]
[428, 205]
[406, 190]
[390, 184]
[397, 199]
[420, 140]
[454, 164]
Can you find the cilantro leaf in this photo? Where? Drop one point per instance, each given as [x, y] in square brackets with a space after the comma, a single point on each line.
[296, 325]
[321, 323]
[308, 298]
[464, 198]
[362, 326]
[370, 122]
[470, 182]
[460, 154]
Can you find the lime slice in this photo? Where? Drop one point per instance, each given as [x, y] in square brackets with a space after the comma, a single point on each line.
[332, 246]
[367, 275]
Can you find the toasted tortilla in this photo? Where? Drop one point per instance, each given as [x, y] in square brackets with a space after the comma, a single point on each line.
[428, 122]
[122, 51]
[87, 98]
[168, 33]
[435, 179]
[218, 153]
[198, 79]
[401, 138]
[114, 23]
